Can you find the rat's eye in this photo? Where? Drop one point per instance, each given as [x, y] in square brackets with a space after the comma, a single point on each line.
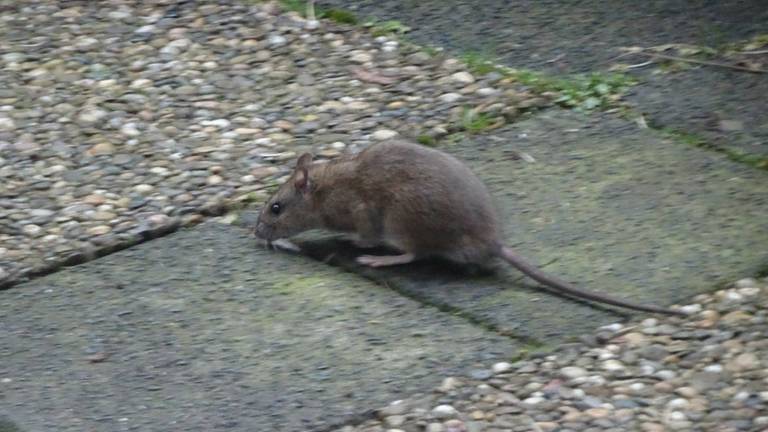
[275, 209]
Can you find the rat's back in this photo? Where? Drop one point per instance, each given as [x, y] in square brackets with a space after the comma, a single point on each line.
[427, 197]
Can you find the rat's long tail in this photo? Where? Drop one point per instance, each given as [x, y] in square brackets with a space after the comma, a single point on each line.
[560, 285]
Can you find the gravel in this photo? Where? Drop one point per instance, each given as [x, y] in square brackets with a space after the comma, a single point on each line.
[703, 372]
[119, 116]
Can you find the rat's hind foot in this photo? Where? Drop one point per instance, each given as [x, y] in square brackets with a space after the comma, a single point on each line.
[385, 260]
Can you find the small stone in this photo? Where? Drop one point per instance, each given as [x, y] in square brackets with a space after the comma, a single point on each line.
[449, 97]
[547, 426]
[130, 130]
[99, 149]
[394, 421]
[735, 317]
[743, 362]
[103, 216]
[41, 213]
[141, 83]
[480, 374]
[435, 427]
[7, 124]
[746, 283]
[652, 427]
[678, 403]
[99, 230]
[613, 365]
[501, 367]
[394, 408]
[158, 219]
[277, 40]
[477, 415]
[463, 77]
[688, 392]
[635, 338]
[705, 380]
[691, 308]
[383, 134]
[214, 180]
[217, 123]
[486, 91]
[26, 142]
[455, 426]
[731, 125]
[90, 116]
[665, 374]
[94, 199]
[144, 188]
[284, 125]
[653, 352]
[449, 384]
[32, 230]
[444, 412]
[533, 400]
[361, 57]
[572, 372]
[597, 412]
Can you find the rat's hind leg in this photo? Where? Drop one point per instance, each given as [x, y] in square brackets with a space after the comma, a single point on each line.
[385, 260]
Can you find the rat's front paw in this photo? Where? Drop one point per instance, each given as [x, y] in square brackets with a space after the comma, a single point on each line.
[286, 245]
[385, 260]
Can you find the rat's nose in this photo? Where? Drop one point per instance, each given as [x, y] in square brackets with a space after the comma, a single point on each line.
[260, 230]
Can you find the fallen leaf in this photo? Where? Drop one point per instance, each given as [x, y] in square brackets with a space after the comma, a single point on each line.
[373, 77]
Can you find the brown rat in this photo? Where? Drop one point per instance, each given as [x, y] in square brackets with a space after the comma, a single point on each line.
[416, 199]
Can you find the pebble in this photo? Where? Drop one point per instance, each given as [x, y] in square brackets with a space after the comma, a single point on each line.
[444, 411]
[463, 77]
[571, 389]
[449, 97]
[572, 372]
[99, 149]
[7, 124]
[383, 134]
[143, 188]
[501, 367]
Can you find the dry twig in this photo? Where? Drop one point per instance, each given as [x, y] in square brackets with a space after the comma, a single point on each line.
[702, 62]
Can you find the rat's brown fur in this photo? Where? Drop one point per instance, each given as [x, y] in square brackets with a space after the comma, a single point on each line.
[418, 200]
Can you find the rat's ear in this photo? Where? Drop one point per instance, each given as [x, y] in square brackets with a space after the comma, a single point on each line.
[304, 161]
[301, 176]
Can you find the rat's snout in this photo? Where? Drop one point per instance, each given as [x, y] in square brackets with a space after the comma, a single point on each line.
[261, 230]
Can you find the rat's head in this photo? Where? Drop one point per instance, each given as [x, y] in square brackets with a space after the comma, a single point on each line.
[289, 211]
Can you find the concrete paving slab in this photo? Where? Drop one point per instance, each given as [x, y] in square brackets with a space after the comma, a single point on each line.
[586, 36]
[203, 330]
[608, 206]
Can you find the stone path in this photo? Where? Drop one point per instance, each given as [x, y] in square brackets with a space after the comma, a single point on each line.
[724, 107]
[203, 330]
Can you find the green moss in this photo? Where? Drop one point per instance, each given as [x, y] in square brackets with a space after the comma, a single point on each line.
[756, 161]
[479, 63]
[427, 140]
[339, 15]
[387, 28]
[582, 92]
[334, 14]
[299, 6]
[473, 121]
